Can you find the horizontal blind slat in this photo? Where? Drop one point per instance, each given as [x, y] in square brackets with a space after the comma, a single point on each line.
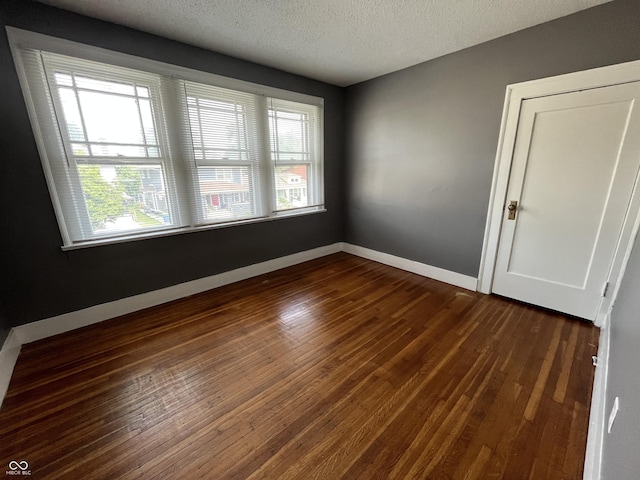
[165, 152]
[223, 130]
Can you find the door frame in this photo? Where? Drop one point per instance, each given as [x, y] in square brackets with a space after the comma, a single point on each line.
[515, 95]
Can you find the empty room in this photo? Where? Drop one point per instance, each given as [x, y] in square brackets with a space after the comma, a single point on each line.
[249, 239]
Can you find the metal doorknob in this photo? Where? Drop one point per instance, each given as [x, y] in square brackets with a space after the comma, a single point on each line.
[512, 207]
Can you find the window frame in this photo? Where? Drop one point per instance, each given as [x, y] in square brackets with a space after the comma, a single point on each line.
[82, 225]
[253, 162]
[315, 170]
[186, 211]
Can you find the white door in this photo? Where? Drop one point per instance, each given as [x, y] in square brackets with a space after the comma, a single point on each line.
[574, 166]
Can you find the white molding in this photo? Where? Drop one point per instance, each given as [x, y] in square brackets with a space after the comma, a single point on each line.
[515, 94]
[62, 323]
[48, 327]
[63, 186]
[8, 357]
[621, 268]
[26, 39]
[497, 196]
[66, 322]
[597, 415]
[583, 80]
[440, 274]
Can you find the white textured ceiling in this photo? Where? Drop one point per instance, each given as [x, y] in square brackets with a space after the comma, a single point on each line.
[337, 41]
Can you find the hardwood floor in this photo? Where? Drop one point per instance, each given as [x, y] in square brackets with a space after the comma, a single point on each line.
[336, 368]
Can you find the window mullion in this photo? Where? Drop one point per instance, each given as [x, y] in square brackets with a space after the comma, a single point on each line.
[180, 150]
[80, 112]
[121, 186]
[144, 133]
[267, 173]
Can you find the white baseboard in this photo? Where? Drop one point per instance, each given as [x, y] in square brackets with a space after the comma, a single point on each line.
[70, 321]
[8, 357]
[446, 276]
[597, 415]
[49, 327]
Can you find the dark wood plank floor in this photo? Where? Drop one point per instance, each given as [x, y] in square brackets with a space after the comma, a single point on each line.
[336, 368]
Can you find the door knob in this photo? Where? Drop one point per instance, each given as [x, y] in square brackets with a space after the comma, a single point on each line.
[512, 207]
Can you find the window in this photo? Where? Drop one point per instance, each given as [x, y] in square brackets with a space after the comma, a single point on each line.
[292, 133]
[156, 149]
[225, 139]
[115, 164]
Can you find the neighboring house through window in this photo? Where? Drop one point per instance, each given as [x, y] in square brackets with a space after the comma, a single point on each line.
[133, 147]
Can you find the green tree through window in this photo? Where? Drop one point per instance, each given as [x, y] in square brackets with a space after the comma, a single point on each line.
[104, 201]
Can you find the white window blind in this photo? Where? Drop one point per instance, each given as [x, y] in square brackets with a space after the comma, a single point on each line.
[226, 148]
[112, 171]
[130, 152]
[294, 154]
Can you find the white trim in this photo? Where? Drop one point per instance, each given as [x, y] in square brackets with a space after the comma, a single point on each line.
[498, 193]
[595, 435]
[70, 321]
[8, 358]
[26, 39]
[515, 94]
[621, 266]
[182, 230]
[178, 165]
[66, 322]
[440, 274]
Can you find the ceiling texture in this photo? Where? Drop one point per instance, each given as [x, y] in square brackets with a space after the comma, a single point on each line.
[341, 42]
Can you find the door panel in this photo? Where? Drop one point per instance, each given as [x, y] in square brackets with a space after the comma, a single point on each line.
[575, 162]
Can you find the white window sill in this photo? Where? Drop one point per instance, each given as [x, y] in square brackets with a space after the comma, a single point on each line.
[182, 230]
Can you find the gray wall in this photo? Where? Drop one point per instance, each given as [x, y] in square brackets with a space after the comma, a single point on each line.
[39, 280]
[621, 459]
[421, 146]
[421, 142]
